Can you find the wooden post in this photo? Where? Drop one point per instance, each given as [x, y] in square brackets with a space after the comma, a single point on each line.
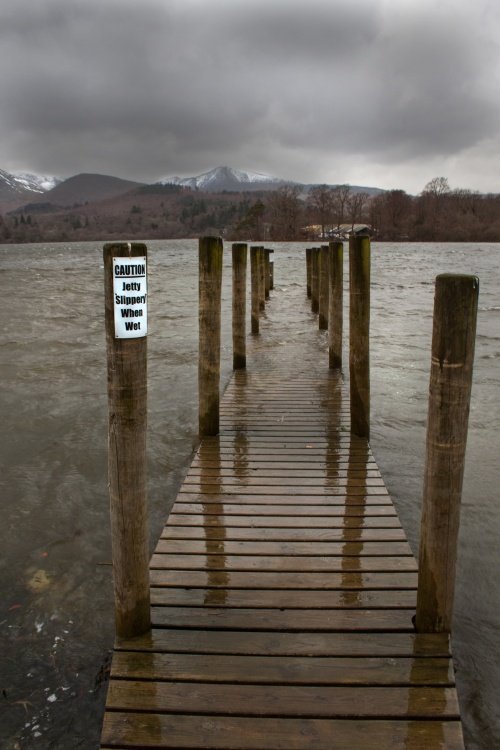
[454, 330]
[314, 280]
[324, 289]
[271, 275]
[308, 271]
[239, 253]
[255, 282]
[359, 334]
[210, 283]
[335, 306]
[267, 273]
[125, 277]
[262, 278]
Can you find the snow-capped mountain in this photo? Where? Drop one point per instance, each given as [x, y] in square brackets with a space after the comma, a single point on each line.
[14, 187]
[225, 178]
[35, 182]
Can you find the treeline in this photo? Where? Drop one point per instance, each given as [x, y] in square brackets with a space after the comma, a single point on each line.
[289, 213]
[438, 214]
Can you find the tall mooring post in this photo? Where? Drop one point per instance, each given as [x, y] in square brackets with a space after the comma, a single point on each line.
[324, 287]
[262, 278]
[308, 271]
[239, 256]
[453, 339]
[125, 285]
[359, 334]
[335, 304]
[267, 272]
[315, 279]
[210, 284]
[255, 287]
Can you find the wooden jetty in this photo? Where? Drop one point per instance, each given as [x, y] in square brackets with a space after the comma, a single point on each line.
[283, 594]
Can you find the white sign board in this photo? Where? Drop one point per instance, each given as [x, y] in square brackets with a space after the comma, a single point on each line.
[130, 297]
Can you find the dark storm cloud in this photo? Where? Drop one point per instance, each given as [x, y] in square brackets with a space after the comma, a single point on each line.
[145, 89]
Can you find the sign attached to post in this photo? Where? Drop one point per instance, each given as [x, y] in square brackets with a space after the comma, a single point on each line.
[130, 297]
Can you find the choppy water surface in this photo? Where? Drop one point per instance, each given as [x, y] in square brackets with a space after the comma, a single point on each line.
[56, 619]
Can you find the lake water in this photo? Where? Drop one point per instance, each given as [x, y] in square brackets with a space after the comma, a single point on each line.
[56, 620]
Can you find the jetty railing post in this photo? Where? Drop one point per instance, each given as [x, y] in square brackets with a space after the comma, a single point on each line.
[314, 279]
[335, 306]
[239, 256]
[209, 315]
[453, 337]
[324, 289]
[125, 282]
[308, 271]
[255, 289]
[359, 334]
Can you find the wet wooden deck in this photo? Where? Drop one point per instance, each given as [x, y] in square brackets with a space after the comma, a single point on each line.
[283, 590]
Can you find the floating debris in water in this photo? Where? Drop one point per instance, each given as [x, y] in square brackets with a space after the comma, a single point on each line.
[38, 582]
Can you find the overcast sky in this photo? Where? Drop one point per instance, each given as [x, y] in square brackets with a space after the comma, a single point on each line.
[373, 92]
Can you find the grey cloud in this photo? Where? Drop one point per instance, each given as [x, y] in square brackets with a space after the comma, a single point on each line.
[146, 89]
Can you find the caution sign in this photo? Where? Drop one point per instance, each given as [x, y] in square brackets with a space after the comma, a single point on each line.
[130, 297]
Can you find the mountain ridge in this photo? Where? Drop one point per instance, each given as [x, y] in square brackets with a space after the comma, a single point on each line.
[17, 190]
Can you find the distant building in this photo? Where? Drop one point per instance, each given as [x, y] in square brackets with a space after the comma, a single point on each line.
[332, 232]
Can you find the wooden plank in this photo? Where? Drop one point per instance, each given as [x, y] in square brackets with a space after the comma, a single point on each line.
[287, 670]
[293, 700]
[347, 484]
[279, 563]
[271, 580]
[293, 599]
[294, 490]
[163, 640]
[342, 500]
[283, 534]
[310, 453]
[287, 472]
[293, 549]
[304, 522]
[292, 511]
[330, 620]
[225, 733]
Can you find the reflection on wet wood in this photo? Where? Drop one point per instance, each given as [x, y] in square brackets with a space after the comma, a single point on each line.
[299, 670]
[292, 549]
[283, 590]
[152, 730]
[163, 640]
[294, 700]
[291, 598]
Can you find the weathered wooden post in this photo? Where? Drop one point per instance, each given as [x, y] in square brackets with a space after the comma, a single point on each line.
[324, 288]
[308, 271]
[262, 278]
[335, 306]
[359, 334]
[125, 282]
[267, 273]
[239, 255]
[271, 274]
[209, 316]
[315, 279]
[453, 337]
[255, 284]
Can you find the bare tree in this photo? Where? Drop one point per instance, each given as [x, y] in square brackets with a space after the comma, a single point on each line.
[321, 202]
[355, 206]
[341, 196]
[437, 186]
[285, 210]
